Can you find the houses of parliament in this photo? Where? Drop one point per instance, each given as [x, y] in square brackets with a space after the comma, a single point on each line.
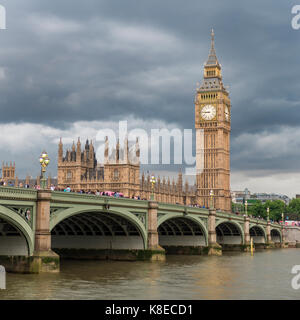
[78, 167]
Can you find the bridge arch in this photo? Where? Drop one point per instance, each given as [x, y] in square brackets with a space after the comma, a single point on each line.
[229, 232]
[16, 235]
[94, 228]
[258, 234]
[276, 236]
[182, 230]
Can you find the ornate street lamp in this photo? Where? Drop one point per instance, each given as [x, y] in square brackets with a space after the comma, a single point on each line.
[44, 161]
[211, 199]
[246, 207]
[153, 181]
[268, 213]
[282, 218]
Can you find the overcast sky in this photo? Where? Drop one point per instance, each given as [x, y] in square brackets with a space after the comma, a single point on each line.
[69, 68]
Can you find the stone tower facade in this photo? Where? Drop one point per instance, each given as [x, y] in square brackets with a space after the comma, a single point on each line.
[8, 172]
[212, 123]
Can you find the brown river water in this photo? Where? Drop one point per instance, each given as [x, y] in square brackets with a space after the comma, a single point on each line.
[266, 275]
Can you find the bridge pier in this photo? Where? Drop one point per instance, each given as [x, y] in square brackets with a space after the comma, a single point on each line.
[214, 249]
[156, 252]
[44, 259]
[247, 246]
[284, 240]
[247, 230]
[270, 244]
[269, 239]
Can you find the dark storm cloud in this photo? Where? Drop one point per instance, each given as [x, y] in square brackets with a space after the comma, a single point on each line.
[60, 71]
[63, 61]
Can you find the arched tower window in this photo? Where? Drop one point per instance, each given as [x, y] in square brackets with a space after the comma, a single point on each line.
[116, 174]
[69, 174]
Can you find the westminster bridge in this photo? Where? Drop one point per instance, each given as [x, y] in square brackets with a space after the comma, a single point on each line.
[38, 227]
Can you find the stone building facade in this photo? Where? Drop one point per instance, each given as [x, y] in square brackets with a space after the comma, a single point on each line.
[8, 172]
[10, 178]
[79, 169]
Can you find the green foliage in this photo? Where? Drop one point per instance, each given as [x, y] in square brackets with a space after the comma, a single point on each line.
[277, 207]
[293, 216]
[237, 207]
[293, 209]
[258, 209]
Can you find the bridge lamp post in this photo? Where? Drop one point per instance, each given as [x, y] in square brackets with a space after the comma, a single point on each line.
[153, 181]
[44, 161]
[268, 213]
[246, 207]
[282, 217]
[211, 199]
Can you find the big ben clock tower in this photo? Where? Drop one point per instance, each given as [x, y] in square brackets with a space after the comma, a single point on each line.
[212, 123]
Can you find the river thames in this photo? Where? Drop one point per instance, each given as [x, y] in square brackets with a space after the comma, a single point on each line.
[266, 275]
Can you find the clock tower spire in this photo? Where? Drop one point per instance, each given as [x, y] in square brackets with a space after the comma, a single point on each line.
[212, 58]
[212, 123]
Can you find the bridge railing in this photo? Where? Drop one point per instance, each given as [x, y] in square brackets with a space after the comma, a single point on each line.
[96, 199]
[7, 192]
[17, 193]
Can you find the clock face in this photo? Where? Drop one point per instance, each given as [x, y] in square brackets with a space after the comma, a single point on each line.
[227, 114]
[208, 112]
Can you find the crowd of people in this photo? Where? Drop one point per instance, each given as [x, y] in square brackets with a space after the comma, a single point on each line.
[112, 194]
[10, 184]
[96, 193]
[292, 223]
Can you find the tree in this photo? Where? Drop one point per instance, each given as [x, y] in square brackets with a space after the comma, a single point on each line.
[257, 209]
[237, 207]
[292, 216]
[277, 207]
[293, 209]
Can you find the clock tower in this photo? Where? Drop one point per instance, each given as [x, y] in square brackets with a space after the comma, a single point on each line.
[212, 123]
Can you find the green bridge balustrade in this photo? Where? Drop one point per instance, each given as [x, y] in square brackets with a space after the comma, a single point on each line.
[38, 227]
